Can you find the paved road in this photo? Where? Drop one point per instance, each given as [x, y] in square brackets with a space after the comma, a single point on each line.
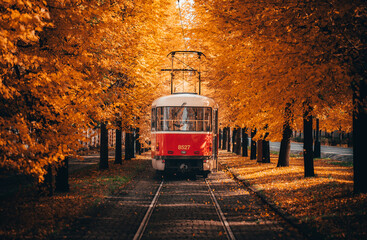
[90, 159]
[185, 209]
[339, 153]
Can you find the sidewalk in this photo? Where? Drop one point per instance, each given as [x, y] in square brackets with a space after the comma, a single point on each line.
[337, 153]
[323, 206]
[88, 159]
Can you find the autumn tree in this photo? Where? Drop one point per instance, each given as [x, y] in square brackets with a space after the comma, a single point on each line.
[269, 54]
[39, 124]
[58, 61]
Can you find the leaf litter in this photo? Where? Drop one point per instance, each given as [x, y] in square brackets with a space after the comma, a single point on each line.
[30, 216]
[325, 202]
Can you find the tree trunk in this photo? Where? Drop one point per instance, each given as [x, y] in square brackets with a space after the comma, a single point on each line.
[137, 142]
[228, 139]
[253, 145]
[307, 143]
[103, 161]
[359, 137]
[259, 151]
[118, 148]
[350, 141]
[224, 145]
[238, 141]
[220, 137]
[265, 151]
[132, 143]
[244, 142]
[317, 146]
[46, 187]
[129, 146]
[234, 143]
[62, 177]
[285, 144]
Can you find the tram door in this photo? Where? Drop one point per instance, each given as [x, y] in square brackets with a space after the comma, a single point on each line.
[215, 140]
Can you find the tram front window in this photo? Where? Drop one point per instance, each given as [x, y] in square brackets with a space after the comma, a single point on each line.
[184, 119]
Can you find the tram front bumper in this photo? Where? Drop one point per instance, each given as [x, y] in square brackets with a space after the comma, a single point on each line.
[183, 164]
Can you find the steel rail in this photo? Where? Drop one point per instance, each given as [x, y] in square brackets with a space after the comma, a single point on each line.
[139, 234]
[223, 219]
[148, 214]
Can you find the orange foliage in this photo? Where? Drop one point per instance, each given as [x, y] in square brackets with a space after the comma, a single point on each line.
[66, 66]
[266, 54]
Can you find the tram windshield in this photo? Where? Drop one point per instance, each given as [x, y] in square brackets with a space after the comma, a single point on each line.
[184, 119]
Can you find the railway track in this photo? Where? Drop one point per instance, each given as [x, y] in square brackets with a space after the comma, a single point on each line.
[180, 208]
[225, 226]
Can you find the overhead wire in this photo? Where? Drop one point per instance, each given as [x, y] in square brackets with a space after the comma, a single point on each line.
[185, 44]
[183, 31]
[183, 36]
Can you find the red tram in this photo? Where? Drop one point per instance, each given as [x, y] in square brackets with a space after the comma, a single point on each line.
[184, 133]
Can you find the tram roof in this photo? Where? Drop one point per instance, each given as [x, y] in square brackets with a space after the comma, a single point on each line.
[188, 99]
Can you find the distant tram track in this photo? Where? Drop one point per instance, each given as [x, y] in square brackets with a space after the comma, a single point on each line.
[226, 227]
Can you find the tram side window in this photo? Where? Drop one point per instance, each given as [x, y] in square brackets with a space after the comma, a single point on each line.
[207, 119]
[159, 119]
[154, 118]
[184, 119]
[164, 123]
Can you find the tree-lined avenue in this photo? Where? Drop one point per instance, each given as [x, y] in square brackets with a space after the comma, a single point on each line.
[74, 65]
